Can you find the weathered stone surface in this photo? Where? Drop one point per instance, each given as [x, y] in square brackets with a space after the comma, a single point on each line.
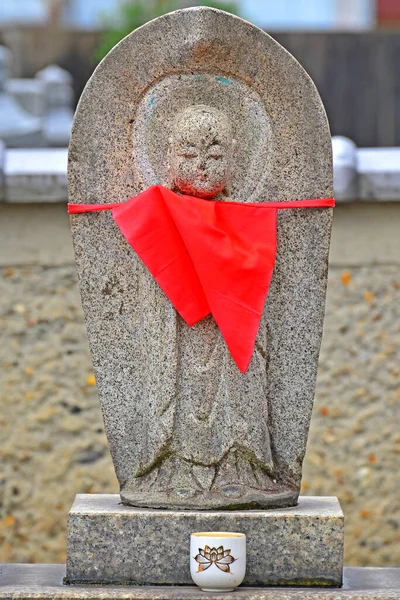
[186, 428]
[110, 542]
[21, 582]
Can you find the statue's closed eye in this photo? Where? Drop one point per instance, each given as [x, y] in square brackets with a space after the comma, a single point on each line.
[188, 154]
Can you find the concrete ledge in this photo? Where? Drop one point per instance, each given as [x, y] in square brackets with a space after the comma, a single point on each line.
[35, 175]
[45, 582]
[379, 174]
[109, 542]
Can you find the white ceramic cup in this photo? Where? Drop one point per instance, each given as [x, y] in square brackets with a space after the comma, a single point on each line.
[217, 560]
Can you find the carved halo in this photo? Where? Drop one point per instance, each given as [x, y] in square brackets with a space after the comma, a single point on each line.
[165, 99]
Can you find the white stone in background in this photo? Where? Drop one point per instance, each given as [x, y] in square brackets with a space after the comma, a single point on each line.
[6, 59]
[17, 127]
[36, 175]
[59, 98]
[57, 126]
[345, 180]
[2, 158]
[35, 112]
[379, 173]
[58, 83]
[29, 93]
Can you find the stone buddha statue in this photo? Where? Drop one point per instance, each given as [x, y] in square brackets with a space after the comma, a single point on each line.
[186, 428]
[207, 443]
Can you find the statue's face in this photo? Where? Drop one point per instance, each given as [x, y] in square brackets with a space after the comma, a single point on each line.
[201, 153]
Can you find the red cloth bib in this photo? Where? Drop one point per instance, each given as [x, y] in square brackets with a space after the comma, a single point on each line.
[207, 256]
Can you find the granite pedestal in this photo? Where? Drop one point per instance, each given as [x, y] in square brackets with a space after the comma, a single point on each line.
[112, 543]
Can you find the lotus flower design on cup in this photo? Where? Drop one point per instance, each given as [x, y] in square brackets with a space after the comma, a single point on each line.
[218, 556]
[220, 564]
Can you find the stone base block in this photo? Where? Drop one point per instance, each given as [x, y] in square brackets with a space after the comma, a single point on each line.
[112, 543]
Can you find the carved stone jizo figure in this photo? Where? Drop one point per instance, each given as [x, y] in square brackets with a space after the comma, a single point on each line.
[207, 459]
[186, 428]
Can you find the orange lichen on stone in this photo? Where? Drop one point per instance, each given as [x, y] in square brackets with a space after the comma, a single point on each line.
[364, 513]
[372, 458]
[324, 411]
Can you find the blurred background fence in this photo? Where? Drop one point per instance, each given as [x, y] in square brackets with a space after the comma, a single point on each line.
[357, 74]
[350, 48]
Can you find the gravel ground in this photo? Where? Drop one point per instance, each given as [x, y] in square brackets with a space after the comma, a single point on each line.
[52, 438]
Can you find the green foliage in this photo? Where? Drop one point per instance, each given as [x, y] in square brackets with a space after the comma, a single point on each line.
[133, 14]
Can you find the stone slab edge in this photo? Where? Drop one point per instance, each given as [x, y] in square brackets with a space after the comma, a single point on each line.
[45, 582]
